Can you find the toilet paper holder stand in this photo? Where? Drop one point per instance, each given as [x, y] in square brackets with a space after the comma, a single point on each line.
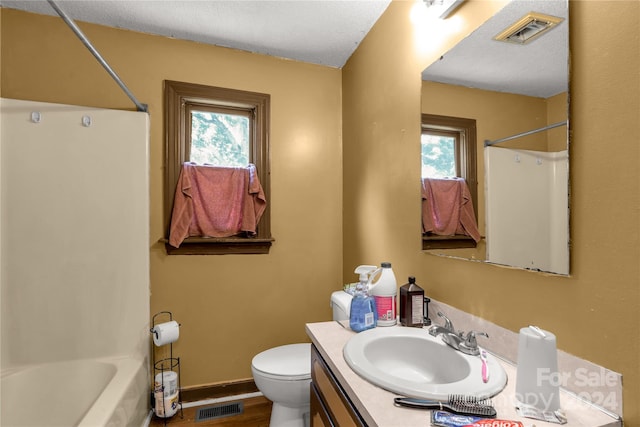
[163, 365]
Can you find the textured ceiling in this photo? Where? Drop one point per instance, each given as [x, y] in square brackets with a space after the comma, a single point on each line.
[324, 32]
[327, 32]
[538, 68]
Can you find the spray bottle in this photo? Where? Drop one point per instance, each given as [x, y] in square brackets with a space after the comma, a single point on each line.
[384, 292]
[363, 314]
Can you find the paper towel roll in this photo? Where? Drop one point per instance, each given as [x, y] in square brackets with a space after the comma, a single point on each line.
[165, 333]
[537, 381]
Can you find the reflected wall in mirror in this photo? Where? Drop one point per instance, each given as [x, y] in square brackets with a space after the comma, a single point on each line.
[516, 93]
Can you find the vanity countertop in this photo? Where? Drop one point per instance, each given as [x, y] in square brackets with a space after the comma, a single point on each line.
[376, 406]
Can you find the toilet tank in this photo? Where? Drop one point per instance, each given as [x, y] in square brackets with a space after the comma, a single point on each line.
[341, 304]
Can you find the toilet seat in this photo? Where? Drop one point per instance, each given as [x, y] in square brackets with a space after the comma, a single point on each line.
[290, 362]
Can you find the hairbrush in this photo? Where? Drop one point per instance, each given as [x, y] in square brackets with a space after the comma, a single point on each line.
[457, 404]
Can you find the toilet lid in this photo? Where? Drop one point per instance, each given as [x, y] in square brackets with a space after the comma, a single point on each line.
[292, 361]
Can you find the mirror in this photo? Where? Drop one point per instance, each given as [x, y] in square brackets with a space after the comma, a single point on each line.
[517, 94]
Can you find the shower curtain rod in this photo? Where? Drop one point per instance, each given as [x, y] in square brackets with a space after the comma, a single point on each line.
[487, 143]
[87, 43]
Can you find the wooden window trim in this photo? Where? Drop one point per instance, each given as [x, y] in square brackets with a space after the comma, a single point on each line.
[467, 167]
[178, 97]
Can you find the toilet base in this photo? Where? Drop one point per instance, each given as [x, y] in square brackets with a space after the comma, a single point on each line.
[287, 416]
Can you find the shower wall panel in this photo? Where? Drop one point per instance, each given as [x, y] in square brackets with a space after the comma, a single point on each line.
[527, 209]
[75, 239]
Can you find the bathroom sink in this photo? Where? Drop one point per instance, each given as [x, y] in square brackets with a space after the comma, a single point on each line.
[410, 362]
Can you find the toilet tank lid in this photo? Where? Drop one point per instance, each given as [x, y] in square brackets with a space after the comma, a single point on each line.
[293, 360]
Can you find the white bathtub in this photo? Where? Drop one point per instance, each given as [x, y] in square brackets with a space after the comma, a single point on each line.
[82, 393]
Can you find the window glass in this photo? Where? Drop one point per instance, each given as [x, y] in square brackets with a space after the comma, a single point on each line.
[219, 139]
[438, 156]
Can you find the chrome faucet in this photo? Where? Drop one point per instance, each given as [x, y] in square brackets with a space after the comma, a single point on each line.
[457, 340]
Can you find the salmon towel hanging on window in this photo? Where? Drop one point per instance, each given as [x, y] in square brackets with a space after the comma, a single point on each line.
[447, 208]
[212, 201]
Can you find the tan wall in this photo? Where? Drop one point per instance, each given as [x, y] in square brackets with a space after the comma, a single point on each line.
[595, 312]
[231, 307]
[497, 114]
[557, 111]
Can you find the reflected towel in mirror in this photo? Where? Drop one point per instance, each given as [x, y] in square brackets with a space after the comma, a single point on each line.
[447, 208]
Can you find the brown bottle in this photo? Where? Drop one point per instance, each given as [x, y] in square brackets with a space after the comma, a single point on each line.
[411, 304]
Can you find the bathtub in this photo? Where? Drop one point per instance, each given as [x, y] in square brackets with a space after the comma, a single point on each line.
[82, 393]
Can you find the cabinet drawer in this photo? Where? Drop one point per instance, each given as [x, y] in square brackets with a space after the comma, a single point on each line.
[340, 411]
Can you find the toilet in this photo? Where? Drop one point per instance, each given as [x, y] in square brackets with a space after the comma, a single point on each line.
[283, 374]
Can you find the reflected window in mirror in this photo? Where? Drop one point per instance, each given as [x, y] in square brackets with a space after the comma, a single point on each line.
[449, 151]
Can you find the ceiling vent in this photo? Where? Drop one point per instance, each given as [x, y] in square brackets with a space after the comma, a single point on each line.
[530, 27]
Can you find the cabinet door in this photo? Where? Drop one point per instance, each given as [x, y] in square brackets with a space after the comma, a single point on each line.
[337, 405]
[319, 414]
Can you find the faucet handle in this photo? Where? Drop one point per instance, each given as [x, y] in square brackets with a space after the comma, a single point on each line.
[447, 323]
[470, 342]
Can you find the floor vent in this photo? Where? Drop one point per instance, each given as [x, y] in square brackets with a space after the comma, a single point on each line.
[219, 411]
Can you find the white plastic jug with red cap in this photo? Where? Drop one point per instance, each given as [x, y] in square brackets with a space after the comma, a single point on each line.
[384, 291]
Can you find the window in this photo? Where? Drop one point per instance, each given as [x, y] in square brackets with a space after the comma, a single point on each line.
[222, 127]
[449, 150]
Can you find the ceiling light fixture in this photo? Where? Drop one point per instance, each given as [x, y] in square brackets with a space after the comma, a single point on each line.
[442, 8]
[531, 26]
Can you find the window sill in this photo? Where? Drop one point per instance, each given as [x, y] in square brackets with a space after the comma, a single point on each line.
[458, 241]
[220, 246]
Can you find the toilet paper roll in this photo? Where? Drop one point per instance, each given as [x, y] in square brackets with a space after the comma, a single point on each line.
[537, 382]
[168, 380]
[166, 407]
[165, 333]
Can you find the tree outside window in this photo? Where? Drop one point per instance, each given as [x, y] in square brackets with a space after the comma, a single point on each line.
[219, 139]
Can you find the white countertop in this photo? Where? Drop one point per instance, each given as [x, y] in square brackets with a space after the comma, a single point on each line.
[376, 406]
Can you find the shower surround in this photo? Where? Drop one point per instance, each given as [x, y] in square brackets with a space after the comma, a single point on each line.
[75, 261]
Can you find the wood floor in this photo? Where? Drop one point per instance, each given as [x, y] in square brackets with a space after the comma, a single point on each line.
[257, 411]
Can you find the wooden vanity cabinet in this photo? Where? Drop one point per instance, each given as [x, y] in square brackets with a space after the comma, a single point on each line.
[330, 405]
